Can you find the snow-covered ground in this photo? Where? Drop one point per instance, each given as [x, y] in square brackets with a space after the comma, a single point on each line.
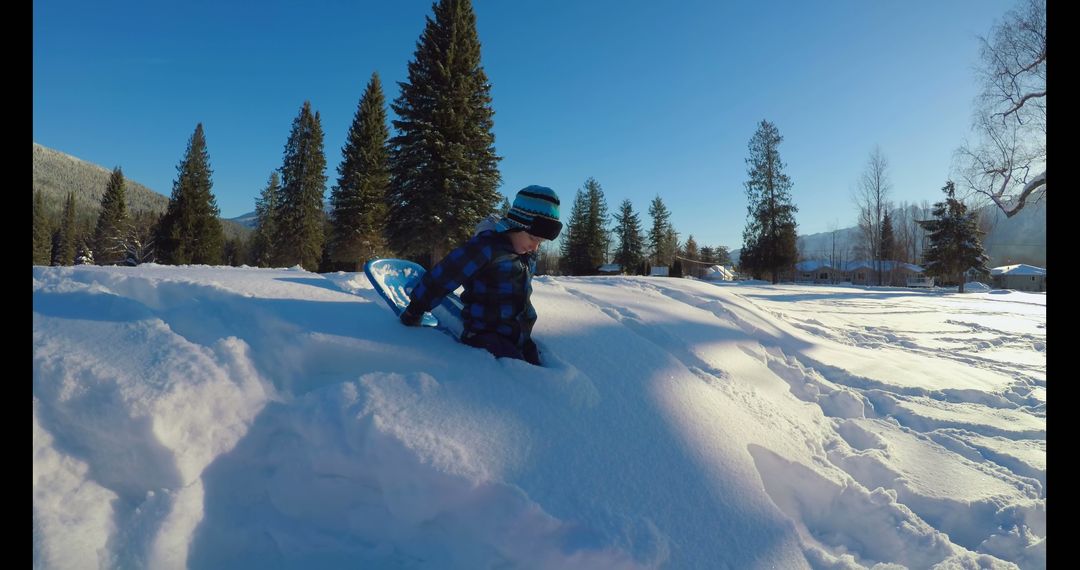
[209, 417]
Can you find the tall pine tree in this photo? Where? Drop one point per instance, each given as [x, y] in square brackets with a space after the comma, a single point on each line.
[64, 237]
[42, 236]
[888, 239]
[631, 248]
[299, 238]
[721, 255]
[597, 224]
[263, 249]
[358, 200]
[671, 246]
[236, 251]
[189, 231]
[575, 238]
[585, 242]
[692, 251]
[888, 249]
[708, 255]
[715, 255]
[444, 170]
[769, 239]
[660, 249]
[113, 225]
[953, 240]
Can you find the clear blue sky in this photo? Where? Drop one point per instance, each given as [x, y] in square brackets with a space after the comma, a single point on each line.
[645, 97]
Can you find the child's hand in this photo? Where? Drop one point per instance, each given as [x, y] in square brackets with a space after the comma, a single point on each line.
[410, 318]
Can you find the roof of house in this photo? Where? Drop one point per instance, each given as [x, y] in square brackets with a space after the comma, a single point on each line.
[719, 272]
[1018, 269]
[811, 265]
[816, 264]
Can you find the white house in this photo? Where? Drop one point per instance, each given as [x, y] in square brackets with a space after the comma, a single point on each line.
[858, 272]
[719, 273]
[1021, 277]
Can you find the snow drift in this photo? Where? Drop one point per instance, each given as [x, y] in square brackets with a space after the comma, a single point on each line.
[211, 417]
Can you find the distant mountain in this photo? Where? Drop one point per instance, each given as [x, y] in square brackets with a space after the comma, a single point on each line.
[247, 220]
[820, 245]
[57, 173]
[1020, 239]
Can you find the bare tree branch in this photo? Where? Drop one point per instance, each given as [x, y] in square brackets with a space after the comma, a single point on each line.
[1020, 104]
[1007, 162]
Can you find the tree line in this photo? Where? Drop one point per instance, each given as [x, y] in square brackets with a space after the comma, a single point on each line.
[590, 241]
[415, 194]
[422, 191]
[412, 195]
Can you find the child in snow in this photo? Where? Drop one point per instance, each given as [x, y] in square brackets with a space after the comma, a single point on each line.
[496, 268]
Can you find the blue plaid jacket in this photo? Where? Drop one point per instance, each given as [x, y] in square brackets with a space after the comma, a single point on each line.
[498, 284]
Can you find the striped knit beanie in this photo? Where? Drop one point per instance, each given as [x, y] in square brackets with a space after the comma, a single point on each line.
[535, 210]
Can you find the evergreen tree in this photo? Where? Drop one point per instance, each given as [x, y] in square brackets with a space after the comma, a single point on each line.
[189, 231]
[64, 238]
[111, 232]
[42, 236]
[596, 225]
[721, 255]
[575, 244]
[676, 268]
[299, 238]
[547, 261]
[953, 240]
[659, 234]
[630, 252]
[504, 208]
[671, 244]
[263, 248]
[84, 254]
[691, 253]
[888, 239]
[236, 251]
[358, 200]
[586, 235]
[769, 239]
[139, 241]
[691, 250]
[707, 255]
[715, 255]
[444, 170]
[750, 259]
[888, 248]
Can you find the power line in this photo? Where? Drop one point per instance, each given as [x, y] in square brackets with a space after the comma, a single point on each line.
[710, 263]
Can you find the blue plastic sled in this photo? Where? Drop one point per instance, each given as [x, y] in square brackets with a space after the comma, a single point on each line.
[394, 279]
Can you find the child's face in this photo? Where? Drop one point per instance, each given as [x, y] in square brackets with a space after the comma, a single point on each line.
[524, 242]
